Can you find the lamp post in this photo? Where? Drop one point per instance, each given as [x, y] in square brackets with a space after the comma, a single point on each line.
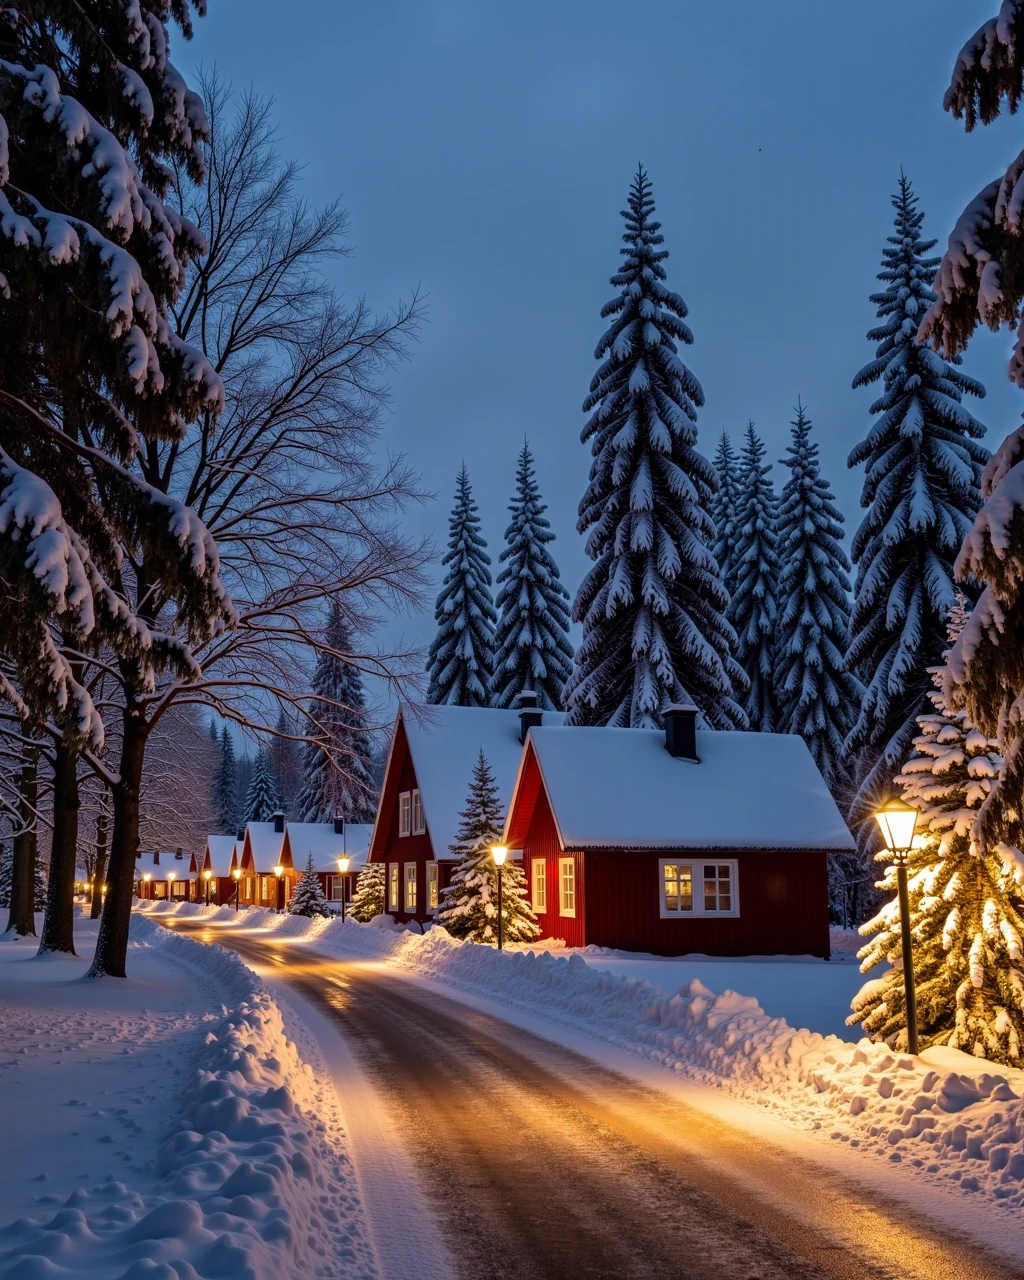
[171, 877]
[499, 853]
[236, 875]
[145, 880]
[207, 876]
[279, 872]
[343, 864]
[897, 821]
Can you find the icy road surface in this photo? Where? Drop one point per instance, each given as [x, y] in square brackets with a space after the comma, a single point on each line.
[539, 1162]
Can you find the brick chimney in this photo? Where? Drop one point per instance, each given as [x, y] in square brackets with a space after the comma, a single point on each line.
[241, 834]
[530, 715]
[339, 826]
[279, 822]
[681, 731]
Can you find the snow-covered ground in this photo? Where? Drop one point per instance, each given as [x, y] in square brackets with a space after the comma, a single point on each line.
[945, 1117]
[165, 1121]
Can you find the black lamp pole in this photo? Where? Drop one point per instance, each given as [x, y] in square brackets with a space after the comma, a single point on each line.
[499, 908]
[907, 950]
[237, 879]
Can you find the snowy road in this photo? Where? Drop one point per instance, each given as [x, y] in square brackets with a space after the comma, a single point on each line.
[541, 1163]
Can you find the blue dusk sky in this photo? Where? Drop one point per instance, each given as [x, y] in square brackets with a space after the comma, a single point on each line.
[484, 151]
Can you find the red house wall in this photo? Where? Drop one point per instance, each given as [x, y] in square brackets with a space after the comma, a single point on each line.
[542, 842]
[402, 849]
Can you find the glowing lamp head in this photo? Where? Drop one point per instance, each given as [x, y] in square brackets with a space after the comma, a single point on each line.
[237, 873]
[343, 864]
[171, 876]
[147, 877]
[279, 871]
[207, 875]
[897, 821]
[499, 853]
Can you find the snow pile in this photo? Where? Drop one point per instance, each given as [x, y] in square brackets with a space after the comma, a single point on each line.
[250, 1182]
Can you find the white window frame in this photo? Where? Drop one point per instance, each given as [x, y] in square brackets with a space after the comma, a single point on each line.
[337, 888]
[539, 884]
[433, 887]
[393, 886]
[405, 813]
[698, 910]
[410, 882]
[566, 907]
[419, 826]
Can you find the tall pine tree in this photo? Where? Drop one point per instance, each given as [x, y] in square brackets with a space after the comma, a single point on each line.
[262, 800]
[461, 658]
[225, 786]
[531, 643]
[756, 573]
[724, 508]
[921, 491]
[967, 927]
[337, 761]
[817, 697]
[653, 605]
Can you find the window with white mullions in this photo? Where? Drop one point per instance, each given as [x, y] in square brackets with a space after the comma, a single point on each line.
[419, 826]
[405, 813]
[698, 888]
[567, 887]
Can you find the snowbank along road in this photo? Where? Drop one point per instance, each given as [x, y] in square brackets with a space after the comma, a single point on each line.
[541, 1163]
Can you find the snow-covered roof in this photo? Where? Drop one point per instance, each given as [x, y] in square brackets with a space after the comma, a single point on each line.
[327, 846]
[444, 743]
[148, 864]
[620, 789]
[221, 850]
[266, 845]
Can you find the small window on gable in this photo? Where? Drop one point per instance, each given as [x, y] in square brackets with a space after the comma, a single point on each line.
[392, 886]
[699, 888]
[419, 827]
[404, 813]
[539, 884]
[566, 886]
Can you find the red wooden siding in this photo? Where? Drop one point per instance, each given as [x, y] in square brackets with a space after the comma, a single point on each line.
[541, 841]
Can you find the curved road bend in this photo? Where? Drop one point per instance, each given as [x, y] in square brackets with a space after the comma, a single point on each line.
[542, 1164]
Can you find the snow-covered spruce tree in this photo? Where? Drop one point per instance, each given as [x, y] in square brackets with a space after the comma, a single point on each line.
[531, 643]
[5, 875]
[817, 697]
[967, 926]
[921, 491]
[461, 658]
[723, 510]
[653, 606]
[262, 800]
[368, 899]
[469, 905]
[756, 580]
[308, 898]
[225, 786]
[336, 761]
[285, 760]
[981, 281]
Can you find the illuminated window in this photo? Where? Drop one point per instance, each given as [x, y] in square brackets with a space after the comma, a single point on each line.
[432, 887]
[392, 886]
[566, 887]
[410, 886]
[539, 884]
[419, 827]
[405, 813]
[690, 889]
[337, 888]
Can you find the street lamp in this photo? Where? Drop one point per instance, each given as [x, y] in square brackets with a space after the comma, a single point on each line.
[145, 880]
[279, 872]
[236, 875]
[897, 821]
[343, 865]
[499, 853]
[207, 876]
[171, 877]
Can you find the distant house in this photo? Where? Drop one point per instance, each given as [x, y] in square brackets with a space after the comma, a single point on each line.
[676, 842]
[222, 856]
[164, 875]
[327, 842]
[426, 783]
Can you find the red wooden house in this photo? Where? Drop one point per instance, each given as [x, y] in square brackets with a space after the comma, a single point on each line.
[676, 842]
[426, 782]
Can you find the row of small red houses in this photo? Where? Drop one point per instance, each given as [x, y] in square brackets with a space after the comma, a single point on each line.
[668, 842]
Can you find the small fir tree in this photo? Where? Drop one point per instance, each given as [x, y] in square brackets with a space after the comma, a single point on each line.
[460, 662]
[261, 801]
[225, 785]
[817, 697]
[38, 886]
[308, 898]
[469, 905]
[756, 570]
[923, 467]
[531, 644]
[967, 928]
[653, 606]
[286, 763]
[368, 899]
[724, 508]
[337, 780]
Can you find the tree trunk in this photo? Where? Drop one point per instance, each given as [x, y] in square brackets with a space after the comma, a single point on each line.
[99, 864]
[23, 855]
[59, 921]
[112, 942]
